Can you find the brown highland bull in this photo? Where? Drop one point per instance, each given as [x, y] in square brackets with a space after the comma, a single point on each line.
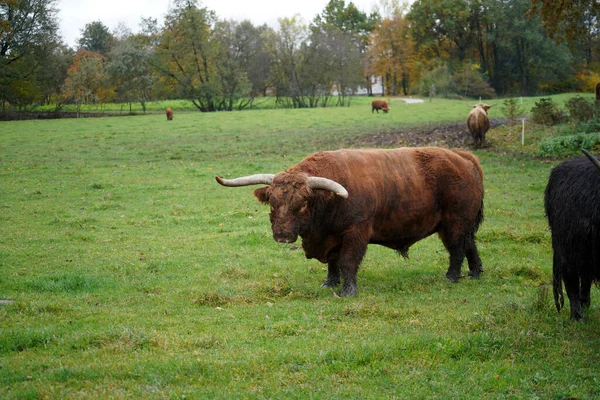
[478, 123]
[338, 202]
[169, 113]
[377, 105]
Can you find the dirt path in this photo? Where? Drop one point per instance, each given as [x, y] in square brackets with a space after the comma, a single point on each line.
[448, 135]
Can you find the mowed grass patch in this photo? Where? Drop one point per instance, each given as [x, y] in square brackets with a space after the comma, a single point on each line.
[134, 274]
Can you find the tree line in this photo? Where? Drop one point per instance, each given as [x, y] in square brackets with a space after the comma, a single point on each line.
[452, 48]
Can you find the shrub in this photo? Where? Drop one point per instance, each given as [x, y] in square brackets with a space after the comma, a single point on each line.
[580, 109]
[566, 145]
[466, 82]
[511, 109]
[545, 112]
[469, 82]
[590, 126]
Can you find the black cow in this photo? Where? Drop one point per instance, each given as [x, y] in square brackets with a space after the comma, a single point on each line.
[572, 203]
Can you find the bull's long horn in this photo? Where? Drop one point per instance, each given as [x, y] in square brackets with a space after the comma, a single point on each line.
[258, 179]
[592, 158]
[327, 184]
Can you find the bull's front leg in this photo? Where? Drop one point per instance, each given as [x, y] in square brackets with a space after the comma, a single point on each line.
[333, 272]
[354, 247]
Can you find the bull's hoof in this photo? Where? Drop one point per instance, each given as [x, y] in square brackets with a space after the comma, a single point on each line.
[453, 278]
[476, 273]
[349, 291]
[329, 283]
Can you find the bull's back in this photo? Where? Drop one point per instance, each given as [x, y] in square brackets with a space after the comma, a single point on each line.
[402, 178]
[478, 121]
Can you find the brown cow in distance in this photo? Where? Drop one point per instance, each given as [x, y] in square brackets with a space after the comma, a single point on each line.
[169, 113]
[338, 202]
[377, 105]
[478, 123]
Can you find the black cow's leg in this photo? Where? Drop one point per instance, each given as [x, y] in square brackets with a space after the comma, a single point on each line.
[354, 247]
[333, 273]
[475, 266]
[573, 292]
[584, 297]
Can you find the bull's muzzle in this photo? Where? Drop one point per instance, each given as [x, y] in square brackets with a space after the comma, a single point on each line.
[282, 237]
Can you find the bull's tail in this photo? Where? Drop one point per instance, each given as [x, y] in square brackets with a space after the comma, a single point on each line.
[559, 298]
[467, 155]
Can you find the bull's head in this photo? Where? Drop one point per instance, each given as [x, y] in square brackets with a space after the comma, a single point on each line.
[291, 197]
[483, 106]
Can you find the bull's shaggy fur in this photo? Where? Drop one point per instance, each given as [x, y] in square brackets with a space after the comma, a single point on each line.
[572, 203]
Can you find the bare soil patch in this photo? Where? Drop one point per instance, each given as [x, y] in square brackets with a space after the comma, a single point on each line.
[449, 135]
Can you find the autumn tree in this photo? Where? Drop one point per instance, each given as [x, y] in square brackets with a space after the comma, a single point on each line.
[86, 80]
[569, 19]
[391, 52]
[186, 53]
[28, 40]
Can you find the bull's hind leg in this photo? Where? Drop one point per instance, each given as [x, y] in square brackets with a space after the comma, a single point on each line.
[457, 256]
[573, 292]
[456, 248]
[584, 297]
[475, 266]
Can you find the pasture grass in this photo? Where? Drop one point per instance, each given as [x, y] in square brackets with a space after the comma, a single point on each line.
[132, 273]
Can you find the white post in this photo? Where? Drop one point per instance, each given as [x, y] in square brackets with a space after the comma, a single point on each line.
[523, 132]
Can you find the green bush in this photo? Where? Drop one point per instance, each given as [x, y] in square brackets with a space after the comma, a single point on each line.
[546, 112]
[465, 82]
[558, 146]
[471, 83]
[511, 109]
[580, 109]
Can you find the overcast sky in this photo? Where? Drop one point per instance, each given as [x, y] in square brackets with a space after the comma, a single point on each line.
[75, 14]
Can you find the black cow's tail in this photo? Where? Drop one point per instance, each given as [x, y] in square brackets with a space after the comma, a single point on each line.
[559, 298]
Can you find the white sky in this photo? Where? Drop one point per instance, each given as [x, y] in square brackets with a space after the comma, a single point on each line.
[75, 14]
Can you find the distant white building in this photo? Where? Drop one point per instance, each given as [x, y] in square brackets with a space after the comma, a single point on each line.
[376, 85]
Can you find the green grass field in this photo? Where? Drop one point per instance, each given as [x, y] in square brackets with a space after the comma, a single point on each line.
[135, 275]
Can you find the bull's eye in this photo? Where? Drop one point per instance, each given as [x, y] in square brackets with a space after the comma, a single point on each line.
[304, 209]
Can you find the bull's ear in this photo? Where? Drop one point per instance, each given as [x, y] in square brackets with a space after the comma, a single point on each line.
[262, 194]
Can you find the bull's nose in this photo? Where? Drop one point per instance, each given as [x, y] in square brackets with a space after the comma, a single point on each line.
[281, 238]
